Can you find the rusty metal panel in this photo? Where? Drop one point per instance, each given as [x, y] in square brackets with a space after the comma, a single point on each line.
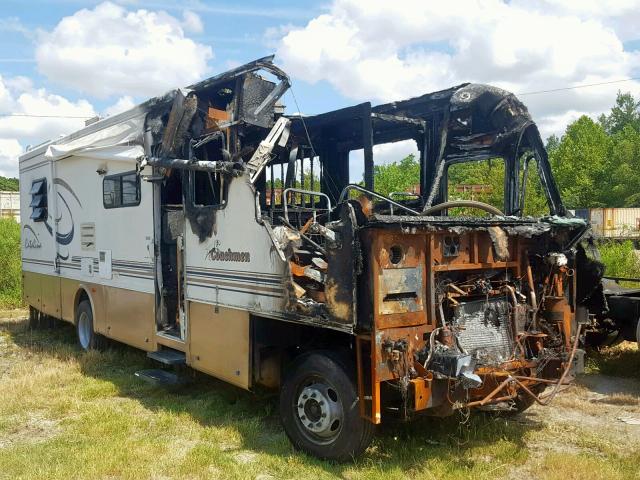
[400, 290]
[385, 367]
[399, 279]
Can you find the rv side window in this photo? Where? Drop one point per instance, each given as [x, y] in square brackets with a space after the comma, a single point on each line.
[38, 203]
[207, 189]
[121, 190]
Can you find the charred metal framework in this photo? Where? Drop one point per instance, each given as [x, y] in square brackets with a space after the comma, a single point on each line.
[428, 298]
[442, 312]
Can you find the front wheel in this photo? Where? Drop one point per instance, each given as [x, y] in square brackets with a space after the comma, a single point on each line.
[87, 337]
[319, 408]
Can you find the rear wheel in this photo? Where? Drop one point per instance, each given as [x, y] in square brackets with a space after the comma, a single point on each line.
[319, 408]
[87, 337]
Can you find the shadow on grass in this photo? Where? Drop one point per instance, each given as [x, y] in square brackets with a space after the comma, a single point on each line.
[212, 403]
[622, 360]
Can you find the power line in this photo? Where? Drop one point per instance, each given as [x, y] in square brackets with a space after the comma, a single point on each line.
[578, 86]
[41, 116]
[536, 92]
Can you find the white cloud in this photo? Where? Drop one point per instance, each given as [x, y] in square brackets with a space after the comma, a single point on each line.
[122, 105]
[10, 149]
[18, 96]
[383, 51]
[112, 51]
[14, 25]
[382, 155]
[42, 104]
[192, 22]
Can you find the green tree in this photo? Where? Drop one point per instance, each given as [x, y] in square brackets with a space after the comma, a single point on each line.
[489, 174]
[582, 166]
[625, 165]
[399, 176]
[552, 143]
[624, 113]
[8, 184]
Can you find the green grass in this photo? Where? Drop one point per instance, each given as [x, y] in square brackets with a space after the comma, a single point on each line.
[69, 414]
[10, 265]
[623, 360]
[620, 260]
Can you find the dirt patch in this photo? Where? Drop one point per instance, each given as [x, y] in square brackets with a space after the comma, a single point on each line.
[584, 416]
[246, 456]
[34, 429]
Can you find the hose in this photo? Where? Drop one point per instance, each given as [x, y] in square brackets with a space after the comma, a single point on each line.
[463, 203]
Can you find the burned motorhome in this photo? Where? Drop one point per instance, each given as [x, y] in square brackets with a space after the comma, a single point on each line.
[211, 229]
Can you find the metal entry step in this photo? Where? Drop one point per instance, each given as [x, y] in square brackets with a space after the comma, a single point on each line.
[168, 357]
[160, 378]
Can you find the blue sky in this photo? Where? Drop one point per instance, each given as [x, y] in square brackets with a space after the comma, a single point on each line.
[82, 58]
[237, 34]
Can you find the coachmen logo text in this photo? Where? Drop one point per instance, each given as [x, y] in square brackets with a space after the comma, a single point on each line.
[218, 255]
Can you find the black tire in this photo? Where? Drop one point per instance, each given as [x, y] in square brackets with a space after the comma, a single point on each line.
[638, 333]
[340, 433]
[88, 339]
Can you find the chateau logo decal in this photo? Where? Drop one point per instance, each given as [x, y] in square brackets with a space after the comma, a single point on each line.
[30, 238]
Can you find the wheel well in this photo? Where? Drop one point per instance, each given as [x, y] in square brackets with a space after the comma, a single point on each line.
[81, 296]
[275, 344]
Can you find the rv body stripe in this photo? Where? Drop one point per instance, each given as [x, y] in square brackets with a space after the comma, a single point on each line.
[253, 277]
[216, 287]
[34, 261]
[234, 272]
[240, 285]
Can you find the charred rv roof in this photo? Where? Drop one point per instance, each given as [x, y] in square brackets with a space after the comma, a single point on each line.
[254, 105]
[465, 123]
[468, 122]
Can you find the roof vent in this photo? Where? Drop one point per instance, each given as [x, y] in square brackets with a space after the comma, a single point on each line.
[92, 120]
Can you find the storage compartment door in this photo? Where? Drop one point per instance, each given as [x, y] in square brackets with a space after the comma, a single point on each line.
[219, 342]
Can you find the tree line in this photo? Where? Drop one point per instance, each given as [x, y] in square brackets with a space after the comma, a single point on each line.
[596, 163]
[8, 184]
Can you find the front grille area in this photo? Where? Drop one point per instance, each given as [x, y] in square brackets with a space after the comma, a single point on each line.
[485, 329]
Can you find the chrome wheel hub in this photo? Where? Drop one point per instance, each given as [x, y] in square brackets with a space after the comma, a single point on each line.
[320, 410]
[84, 330]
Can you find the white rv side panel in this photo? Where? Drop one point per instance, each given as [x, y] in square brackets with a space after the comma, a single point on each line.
[69, 248]
[119, 233]
[38, 247]
[237, 266]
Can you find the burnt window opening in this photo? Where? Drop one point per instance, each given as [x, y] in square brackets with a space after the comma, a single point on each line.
[476, 180]
[207, 189]
[38, 203]
[303, 171]
[121, 190]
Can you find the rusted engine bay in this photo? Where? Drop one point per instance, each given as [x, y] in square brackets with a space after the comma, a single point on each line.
[444, 312]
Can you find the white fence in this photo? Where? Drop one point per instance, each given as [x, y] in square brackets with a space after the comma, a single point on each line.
[10, 205]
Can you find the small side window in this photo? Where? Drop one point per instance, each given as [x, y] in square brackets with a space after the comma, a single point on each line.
[38, 203]
[207, 189]
[121, 190]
